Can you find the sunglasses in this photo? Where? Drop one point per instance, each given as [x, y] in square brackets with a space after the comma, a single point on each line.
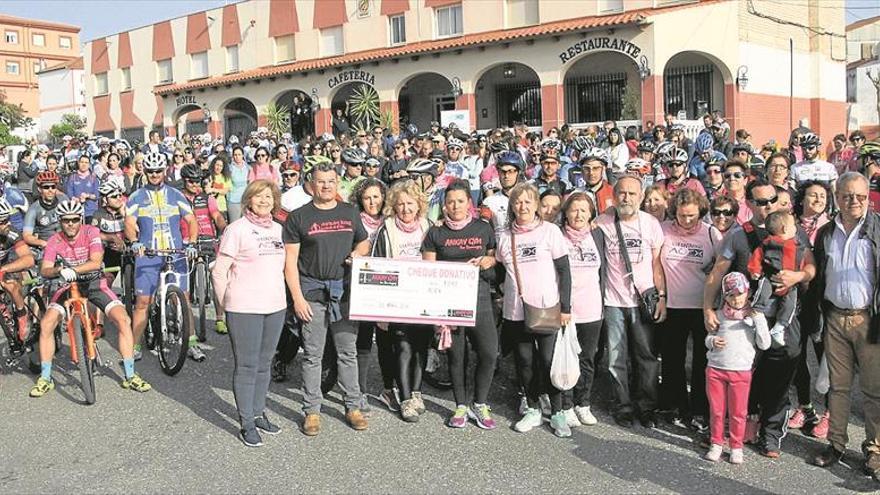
[178, 156]
[70, 220]
[765, 202]
[155, 172]
[713, 172]
[290, 174]
[721, 213]
[675, 164]
[113, 196]
[734, 175]
[192, 181]
[361, 135]
[508, 171]
[261, 155]
[372, 165]
[49, 187]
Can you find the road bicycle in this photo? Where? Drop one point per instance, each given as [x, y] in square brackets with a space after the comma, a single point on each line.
[202, 290]
[35, 307]
[169, 317]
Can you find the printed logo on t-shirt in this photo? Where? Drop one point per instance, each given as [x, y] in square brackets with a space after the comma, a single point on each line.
[465, 243]
[330, 227]
[633, 246]
[686, 252]
[526, 252]
[583, 256]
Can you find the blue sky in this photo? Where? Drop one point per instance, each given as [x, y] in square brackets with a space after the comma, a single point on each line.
[102, 17]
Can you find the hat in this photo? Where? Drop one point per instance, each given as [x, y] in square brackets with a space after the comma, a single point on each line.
[734, 283]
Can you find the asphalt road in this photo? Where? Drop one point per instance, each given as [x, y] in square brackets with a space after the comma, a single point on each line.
[180, 437]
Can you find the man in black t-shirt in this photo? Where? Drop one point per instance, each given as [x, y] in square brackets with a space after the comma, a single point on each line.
[320, 239]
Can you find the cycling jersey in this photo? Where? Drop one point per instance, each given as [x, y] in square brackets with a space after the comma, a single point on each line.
[494, 209]
[110, 223]
[818, 170]
[74, 252]
[41, 219]
[158, 211]
[8, 245]
[204, 207]
[18, 201]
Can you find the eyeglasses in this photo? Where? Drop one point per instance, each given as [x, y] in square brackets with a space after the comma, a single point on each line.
[851, 198]
[113, 196]
[765, 202]
[49, 187]
[713, 172]
[508, 171]
[261, 155]
[734, 175]
[70, 220]
[721, 213]
[377, 133]
[155, 172]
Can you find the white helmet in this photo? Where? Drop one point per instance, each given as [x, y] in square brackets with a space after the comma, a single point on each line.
[6, 209]
[69, 208]
[155, 161]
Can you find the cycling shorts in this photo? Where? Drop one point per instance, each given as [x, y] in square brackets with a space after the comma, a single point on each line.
[96, 291]
[146, 274]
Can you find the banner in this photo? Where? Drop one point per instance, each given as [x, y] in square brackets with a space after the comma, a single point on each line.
[460, 118]
[419, 292]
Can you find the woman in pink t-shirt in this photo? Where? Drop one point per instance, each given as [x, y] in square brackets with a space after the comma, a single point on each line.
[687, 255]
[262, 169]
[542, 262]
[248, 279]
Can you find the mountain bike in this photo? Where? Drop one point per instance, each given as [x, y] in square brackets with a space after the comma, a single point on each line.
[35, 306]
[169, 315]
[202, 290]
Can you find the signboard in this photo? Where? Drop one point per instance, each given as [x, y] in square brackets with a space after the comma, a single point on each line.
[351, 76]
[461, 118]
[185, 100]
[601, 43]
[419, 292]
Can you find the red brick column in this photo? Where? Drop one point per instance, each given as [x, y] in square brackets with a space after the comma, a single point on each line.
[468, 101]
[552, 106]
[322, 121]
[391, 106]
[652, 99]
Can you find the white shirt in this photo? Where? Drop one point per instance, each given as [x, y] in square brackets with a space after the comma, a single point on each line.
[497, 204]
[294, 198]
[815, 170]
[849, 275]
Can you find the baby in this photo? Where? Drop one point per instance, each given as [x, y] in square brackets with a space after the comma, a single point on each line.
[779, 251]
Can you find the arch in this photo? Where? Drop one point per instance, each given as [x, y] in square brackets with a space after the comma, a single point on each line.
[508, 93]
[694, 81]
[239, 118]
[602, 85]
[189, 119]
[422, 96]
[299, 103]
[359, 102]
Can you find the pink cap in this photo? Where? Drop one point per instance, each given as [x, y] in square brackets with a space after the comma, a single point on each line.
[734, 283]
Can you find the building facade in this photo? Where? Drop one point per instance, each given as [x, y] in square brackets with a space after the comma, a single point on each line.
[62, 91]
[27, 47]
[863, 67]
[496, 62]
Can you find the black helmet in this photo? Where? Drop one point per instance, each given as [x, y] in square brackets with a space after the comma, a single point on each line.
[191, 171]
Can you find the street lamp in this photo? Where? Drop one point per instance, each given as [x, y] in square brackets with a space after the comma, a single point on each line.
[742, 77]
[456, 87]
[644, 70]
[316, 107]
[207, 113]
[509, 71]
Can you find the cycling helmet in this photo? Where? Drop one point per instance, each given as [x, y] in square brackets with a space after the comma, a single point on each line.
[737, 147]
[47, 177]
[639, 166]
[69, 208]
[595, 153]
[810, 139]
[191, 171]
[675, 155]
[663, 149]
[645, 145]
[871, 149]
[582, 143]
[155, 161]
[549, 156]
[704, 142]
[550, 143]
[717, 159]
[454, 143]
[438, 157]
[110, 187]
[498, 147]
[353, 156]
[6, 209]
[421, 166]
[510, 158]
[373, 161]
[312, 161]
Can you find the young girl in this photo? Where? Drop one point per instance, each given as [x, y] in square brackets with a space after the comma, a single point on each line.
[730, 359]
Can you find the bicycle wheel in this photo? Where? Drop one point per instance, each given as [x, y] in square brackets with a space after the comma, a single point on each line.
[173, 343]
[199, 293]
[35, 308]
[128, 287]
[86, 365]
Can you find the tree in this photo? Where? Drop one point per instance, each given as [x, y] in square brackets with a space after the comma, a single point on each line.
[876, 82]
[631, 103]
[6, 138]
[277, 119]
[12, 115]
[71, 125]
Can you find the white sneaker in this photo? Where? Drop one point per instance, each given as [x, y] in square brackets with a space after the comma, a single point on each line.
[571, 418]
[585, 416]
[736, 456]
[530, 419]
[544, 401]
[714, 454]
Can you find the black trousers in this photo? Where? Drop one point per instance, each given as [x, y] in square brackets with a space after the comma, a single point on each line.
[534, 383]
[385, 348]
[679, 325]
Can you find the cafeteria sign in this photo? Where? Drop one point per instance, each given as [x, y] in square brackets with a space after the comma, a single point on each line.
[600, 43]
[351, 76]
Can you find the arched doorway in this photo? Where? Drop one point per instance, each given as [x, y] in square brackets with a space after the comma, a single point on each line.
[359, 103]
[190, 119]
[423, 97]
[508, 94]
[693, 83]
[299, 104]
[239, 118]
[602, 86]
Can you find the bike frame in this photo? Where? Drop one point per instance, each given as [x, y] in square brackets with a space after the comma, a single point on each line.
[167, 277]
[77, 307]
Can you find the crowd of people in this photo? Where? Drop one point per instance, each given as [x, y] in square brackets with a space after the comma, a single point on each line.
[637, 239]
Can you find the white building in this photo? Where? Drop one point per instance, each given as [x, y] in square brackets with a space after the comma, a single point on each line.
[863, 57]
[62, 90]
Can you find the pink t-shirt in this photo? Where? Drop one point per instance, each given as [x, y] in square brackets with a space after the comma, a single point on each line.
[255, 281]
[536, 251]
[77, 251]
[642, 235]
[684, 258]
[409, 244]
[585, 260]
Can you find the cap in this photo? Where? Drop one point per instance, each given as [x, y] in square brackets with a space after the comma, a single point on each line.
[734, 283]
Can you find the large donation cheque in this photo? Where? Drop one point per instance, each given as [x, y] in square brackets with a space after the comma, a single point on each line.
[420, 292]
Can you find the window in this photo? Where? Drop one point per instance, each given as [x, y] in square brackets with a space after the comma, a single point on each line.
[12, 37]
[688, 89]
[199, 65]
[851, 87]
[38, 39]
[164, 73]
[284, 49]
[331, 41]
[398, 29]
[101, 87]
[38, 66]
[126, 78]
[232, 58]
[12, 67]
[610, 6]
[64, 42]
[522, 13]
[449, 21]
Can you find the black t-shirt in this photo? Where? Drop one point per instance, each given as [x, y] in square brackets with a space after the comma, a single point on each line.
[326, 238]
[8, 244]
[476, 239]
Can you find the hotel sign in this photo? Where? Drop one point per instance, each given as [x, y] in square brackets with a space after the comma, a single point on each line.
[186, 100]
[600, 43]
[351, 76]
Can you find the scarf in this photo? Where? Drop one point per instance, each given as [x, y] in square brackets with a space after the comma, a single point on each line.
[409, 228]
[809, 224]
[456, 225]
[522, 229]
[576, 236]
[257, 220]
[371, 223]
[736, 314]
[683, 231]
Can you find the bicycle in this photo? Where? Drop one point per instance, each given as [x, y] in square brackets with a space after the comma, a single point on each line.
[202, 288]
[127, 281]
[168, 317]
[35, 307]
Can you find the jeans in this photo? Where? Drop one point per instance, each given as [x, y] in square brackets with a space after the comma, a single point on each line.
[674, 333]
[728, 390]
[631, 339]
[253, 339]
[534, 383]
[314, 336]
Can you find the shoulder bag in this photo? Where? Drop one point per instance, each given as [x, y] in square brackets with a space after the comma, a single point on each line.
[537, 320]
[650, 297]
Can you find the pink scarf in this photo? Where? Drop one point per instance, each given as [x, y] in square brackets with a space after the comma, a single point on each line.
[576, 236]
[257, 220]
[683, 231]
[522, 229]
[409, 228]
[456, 225]
[371, 223]
[736, 314]
[811, 224]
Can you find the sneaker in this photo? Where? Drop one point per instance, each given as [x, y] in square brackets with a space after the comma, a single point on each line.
[769, 452]
[559, 424]
[698, 424]
[195, 353]
[356, 420]
[753, 425]
[624, 419]
[585, 415]
[220, 327]
[523, 405]
[482, 414]
[390, 399]
[279, 370]
[408, 411]
[530, 419]
[796, 421]
[571, 418]
[250, 437]
[714, 453]
[736, 456]
[821, 428]
[676, 420]
[459, 417]
[544, 401]
[42, 387]
[263, 424]
[419, 403]
[137, 384]
[312, 424]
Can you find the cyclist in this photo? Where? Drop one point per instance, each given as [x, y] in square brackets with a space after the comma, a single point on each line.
[510, 171]
[353, 165]
[153, 221]
[41, 220]
[15, 257]
[15, 198]
[209, 219]
[812, 167]
[424, 173]
[81, 252]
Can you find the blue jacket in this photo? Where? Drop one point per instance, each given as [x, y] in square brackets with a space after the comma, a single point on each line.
[77, 185]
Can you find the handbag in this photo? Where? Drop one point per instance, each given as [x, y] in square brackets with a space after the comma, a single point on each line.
[537, 320]
[650, 297]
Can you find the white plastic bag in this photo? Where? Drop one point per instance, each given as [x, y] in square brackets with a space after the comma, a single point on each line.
[823, 381]
[565, 368]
